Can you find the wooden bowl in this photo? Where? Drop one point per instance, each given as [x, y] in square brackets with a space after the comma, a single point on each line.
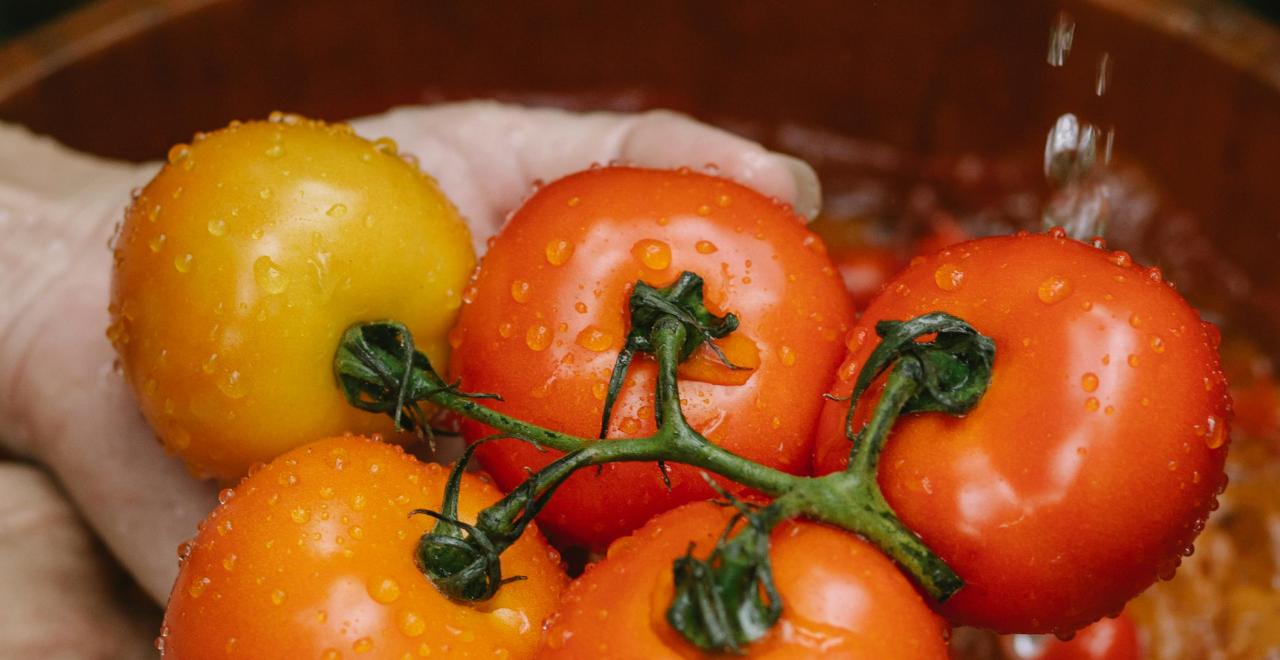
[1195, 96]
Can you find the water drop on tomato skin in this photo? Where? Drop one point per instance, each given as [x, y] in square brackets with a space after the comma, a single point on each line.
[948, 277]
[1053, 289]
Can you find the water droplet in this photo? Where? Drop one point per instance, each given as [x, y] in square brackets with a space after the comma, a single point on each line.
[574, 201]
[1132, 360]
[723, 201]
[209, 364]
[705, 247]
[1135, 321]
[580, 307]
[277, 597]
[362, 645]
[412, 625]
[229, 562]
[599, 391]
[156, 242]
[704, 210]
[287, 479]
[384, 590]
[1053, 289]
[217, 227]
[225, 494]
[182, 263]
[948, 277]
[1089, 382]
[1216, 433]
[1157, 344]
[265, 193]
[178, 153]
[300, 515]
[787, 355]
[386, 146]
[559, 251]
[595, 339]
[537, 337]
[232, 385]
[1091, 404]
[1104, 74]
[1061, 34]
[269, 276]
[654, 254]
[336, 211]
[198, 586]
[275, 151]
[519, 290]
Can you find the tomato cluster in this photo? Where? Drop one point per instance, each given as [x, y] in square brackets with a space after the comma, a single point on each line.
[1081, 474]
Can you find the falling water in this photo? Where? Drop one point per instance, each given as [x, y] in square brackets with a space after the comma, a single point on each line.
[1061, 34]
[1076, 152]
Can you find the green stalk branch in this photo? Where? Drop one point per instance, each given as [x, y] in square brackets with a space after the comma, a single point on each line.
[726, 600]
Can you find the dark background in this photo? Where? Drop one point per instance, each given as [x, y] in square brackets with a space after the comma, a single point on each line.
[17, 16]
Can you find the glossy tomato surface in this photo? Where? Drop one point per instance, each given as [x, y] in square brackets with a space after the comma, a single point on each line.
[239, 266]
[841, 597]
[1089, 466]
[548, 314]
[313, 557]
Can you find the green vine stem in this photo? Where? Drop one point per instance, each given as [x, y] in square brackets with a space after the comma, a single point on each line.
[379, 371]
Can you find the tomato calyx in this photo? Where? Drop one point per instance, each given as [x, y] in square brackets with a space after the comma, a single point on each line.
[683, 301]
[461, 560]
[948, 374]
[370, 367]
[728, 600]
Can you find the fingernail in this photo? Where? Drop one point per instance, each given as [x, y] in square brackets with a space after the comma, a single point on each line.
[808, 197]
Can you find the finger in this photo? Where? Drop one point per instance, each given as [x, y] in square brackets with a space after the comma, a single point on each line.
[486, 155]
[60, 401]
[63, 599]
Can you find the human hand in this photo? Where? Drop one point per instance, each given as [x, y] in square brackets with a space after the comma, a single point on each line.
[62, 404]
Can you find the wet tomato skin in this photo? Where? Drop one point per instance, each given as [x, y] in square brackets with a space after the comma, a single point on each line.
[548, 313]
[1097, 452]
[312, 556]
[241, 263]
[841, 597]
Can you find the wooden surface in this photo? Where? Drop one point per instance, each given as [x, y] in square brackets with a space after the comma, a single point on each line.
[1195, 93]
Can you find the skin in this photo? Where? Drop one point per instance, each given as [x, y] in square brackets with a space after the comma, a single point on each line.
[313, 557]
[242, 262]
[547, 316]
[1096, 452]
[841, 597]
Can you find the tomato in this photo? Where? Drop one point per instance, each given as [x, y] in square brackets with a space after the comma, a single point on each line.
[1096, 453]
[1107, 639]
[313, 557]
[239, 266]
[841, 597]
[548, 314]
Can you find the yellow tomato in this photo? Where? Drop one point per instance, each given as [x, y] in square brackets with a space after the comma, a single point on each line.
[239, 266]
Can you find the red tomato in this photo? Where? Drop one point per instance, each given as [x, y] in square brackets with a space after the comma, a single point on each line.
[313, 557]
[1107, 639]
[1092, 461]
[548, 313]
[841, 597]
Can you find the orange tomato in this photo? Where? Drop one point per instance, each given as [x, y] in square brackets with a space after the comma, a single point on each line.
[841, 597]
[312, 556]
